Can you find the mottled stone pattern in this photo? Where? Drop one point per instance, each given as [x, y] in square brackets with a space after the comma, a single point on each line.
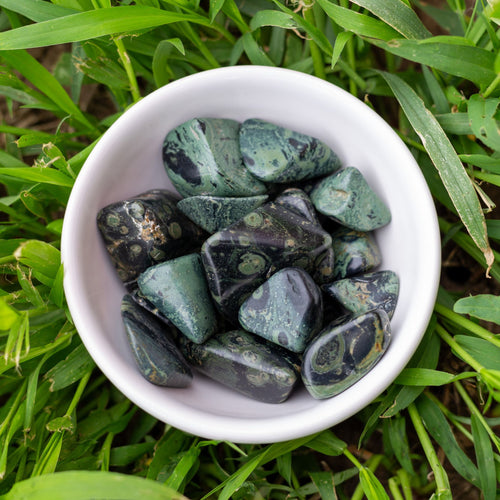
[156, 355]
[276, 154]
[355, 252]
[347, 197]
[241, 257]
[179, 289]
[202, 156]
[214, 213]
[359, 294]
[144, 230]
[343, 352]
[287, 309]
[140, 300]
[298, 201]
[237, 359]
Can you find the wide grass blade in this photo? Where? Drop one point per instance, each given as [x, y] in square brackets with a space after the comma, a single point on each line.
[484, 306]
[445, 159]
[36, 10]
[485, 459]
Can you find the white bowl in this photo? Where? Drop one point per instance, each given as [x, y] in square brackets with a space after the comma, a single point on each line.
[128, 160]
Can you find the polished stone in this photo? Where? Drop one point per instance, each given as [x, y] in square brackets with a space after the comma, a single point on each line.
[179, 289]
[152, 343]
[144, 230]
[346, 197]
[344, 352]
[247, 364]
[214, 213]
[140, 300]
[202, 157]
[276, 154]
[287, 309]
[298, 201]
[355, 252]
[240, 258]
[359, 294]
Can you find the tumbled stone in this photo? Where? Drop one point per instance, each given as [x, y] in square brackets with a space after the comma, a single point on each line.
[144, 230]
[179, 289]
[247, 364]
[213, 213]
[156, 355]
[346, 197]
[202, 156]
[355, 252]
[277, 154]
[240, 258]
[287, 309]
[140, 300]
[343, 352]
[297, 200]
[359, 294]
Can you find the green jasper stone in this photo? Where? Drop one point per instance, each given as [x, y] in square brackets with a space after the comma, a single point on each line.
[179, 289]
[202, 156]
[355, 252]
[344, 352]
[277, 154]
[247, 364]
[287, 309]
[156, 355]
[214, 213]
[359, 294]
[297, 200]
[346, 197]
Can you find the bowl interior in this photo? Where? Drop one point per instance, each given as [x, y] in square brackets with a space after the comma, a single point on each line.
[127, 161]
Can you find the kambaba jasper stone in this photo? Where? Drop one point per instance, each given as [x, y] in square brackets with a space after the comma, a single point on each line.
[298, 201]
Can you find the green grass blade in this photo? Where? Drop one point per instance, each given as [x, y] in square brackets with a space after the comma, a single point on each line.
[425, 377]
[272, 18]
[485, 459]
[372, 487]
[324, 483]
[33, 174]
[483, 306]
[482, 113]
[445, 159]
[36, 10]
[398, 15]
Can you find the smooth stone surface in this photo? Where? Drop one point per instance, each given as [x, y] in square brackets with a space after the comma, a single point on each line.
[287, 309]
[202, 156]
[359, 294]
[277, 154]
[346, 197]
[297, 200]
[156, 355]
[145, 230]
[140, 300]
[247, 364]
[179, 289]
[355, 252]
[240, 258]
[344, 352]
[213, 213]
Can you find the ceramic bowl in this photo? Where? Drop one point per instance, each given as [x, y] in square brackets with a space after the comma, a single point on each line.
[128, 160]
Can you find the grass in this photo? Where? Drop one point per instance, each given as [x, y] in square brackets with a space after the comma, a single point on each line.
[432, 70]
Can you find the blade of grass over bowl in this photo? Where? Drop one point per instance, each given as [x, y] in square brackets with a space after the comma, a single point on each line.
[443, 155]
[93, 24]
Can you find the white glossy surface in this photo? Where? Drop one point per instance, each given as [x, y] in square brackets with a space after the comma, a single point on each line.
[128, 161]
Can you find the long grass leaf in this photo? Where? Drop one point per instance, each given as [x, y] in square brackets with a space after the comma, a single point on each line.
[483, 306]
[445, 159]
[36, 10]
[484, 458]
[33, 174]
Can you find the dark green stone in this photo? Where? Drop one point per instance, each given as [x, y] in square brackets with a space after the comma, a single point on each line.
[240, 258]
[156, 355]
[202, 156]
[287, 309]
[346, 197]
[213, 213]
[359, 294]
[179, 290]
[343, 352]
[247, 364]
[355, 252]
[298, 201]
[144, 230]
[140, 300]
[277, 154]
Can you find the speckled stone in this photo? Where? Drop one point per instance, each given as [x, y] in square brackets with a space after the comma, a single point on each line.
[346, 197]
[202, 156]
[247, 364]
[343, 352]
[144, 230]
[276, 154]
[140, 300]
[214, 213]
[156, 355]
[359, 294]
[179, 289]
[287, 309]
[298, 201]
[240, 258]
[355, 252]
